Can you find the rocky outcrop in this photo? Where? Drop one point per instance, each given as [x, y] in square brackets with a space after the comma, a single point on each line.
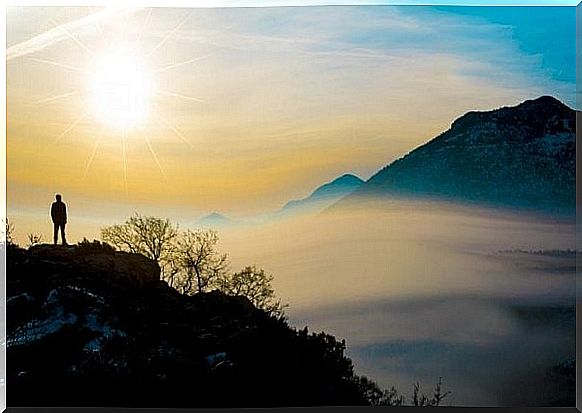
[89, 326]
[88, 259]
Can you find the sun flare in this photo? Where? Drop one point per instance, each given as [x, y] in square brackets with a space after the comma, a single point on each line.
[121, 89]
[120, 86]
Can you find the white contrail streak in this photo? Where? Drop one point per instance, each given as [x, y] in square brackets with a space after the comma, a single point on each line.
[60, 33]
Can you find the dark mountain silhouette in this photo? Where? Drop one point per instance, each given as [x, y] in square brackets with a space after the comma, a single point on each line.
[325, 195]
[89, 326]
[521, 156]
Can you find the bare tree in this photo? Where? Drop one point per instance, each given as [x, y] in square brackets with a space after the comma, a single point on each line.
[147, 235]
[255, 284]
[190, 260]
[9, 232]
[200, 265]
[34, 239]
[438, 394]
[123, 237]
[420, 399]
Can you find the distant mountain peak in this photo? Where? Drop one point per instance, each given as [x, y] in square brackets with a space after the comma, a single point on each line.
[215, 219]
[326, 193]
[347, 178]
[214, 215]
[342, 182]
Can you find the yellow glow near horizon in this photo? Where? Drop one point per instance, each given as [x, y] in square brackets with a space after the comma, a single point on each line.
[199, 111]
[120, 89]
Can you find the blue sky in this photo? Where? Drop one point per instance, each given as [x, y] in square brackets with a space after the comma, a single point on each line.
[545, 31]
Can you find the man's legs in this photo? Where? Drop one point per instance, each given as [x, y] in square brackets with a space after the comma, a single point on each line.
[63, 238]
[56, 232]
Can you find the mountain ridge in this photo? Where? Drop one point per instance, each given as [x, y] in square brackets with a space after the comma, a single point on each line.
[326, 193]
[513, 156]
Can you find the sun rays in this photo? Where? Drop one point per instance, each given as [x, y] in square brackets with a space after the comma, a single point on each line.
[155, 156]
[172, 128]
[58, 97]
[71, 127]
[175, 65]
[179, 95]
[118, 83]
[95, 148]
[71, 36]
[169, 34]
[57, 64]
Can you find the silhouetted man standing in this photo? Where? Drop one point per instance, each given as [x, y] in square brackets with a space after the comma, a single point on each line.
[59, 216]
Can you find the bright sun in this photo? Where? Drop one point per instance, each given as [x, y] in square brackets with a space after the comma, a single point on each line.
[120, 89]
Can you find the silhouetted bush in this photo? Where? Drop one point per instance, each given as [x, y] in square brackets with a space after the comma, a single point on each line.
[34, 239]
[94, 247]
[254, 284]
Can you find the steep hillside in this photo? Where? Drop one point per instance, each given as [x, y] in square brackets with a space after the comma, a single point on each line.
[522, 156]
[93, 327]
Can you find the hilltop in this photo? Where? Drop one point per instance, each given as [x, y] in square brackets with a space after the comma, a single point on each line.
[522, 156]
[324, 195]
[90, 326]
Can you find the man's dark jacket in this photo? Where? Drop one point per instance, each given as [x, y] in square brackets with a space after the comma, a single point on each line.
[59, 213]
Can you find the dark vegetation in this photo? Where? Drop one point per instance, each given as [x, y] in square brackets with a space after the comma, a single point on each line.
[556, 387]
[92, 326]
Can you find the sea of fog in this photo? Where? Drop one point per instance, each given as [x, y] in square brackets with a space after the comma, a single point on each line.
[424, 290]
[418, 290]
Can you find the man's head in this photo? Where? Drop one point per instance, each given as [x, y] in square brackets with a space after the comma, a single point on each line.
[58, 197]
